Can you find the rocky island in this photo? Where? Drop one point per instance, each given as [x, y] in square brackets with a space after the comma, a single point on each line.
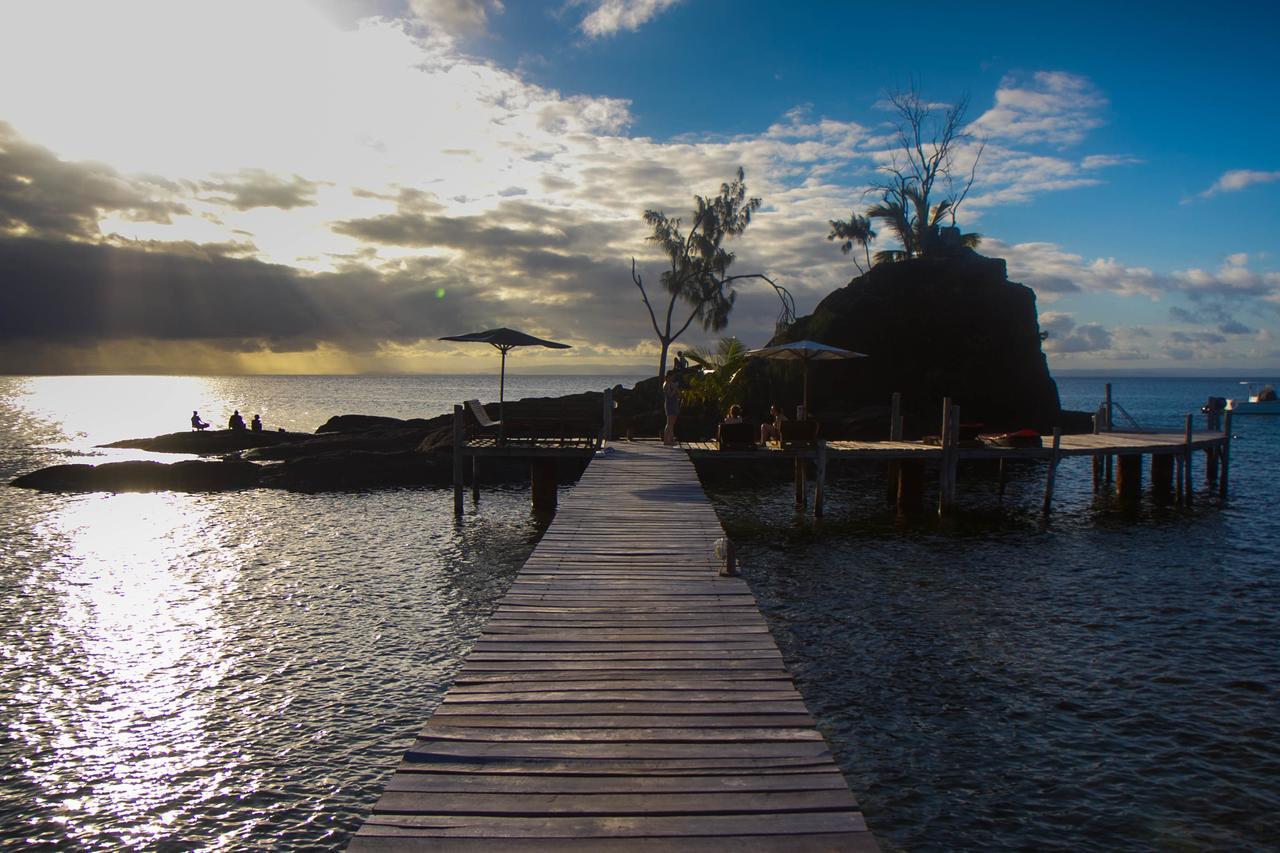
[950, 324]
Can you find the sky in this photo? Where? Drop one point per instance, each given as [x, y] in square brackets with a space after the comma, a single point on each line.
[328, 186]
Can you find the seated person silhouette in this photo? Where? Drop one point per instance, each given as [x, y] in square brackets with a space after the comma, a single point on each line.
[256, 423]
[772, 429]
[734, 416]
[235, 421]
[196, 423]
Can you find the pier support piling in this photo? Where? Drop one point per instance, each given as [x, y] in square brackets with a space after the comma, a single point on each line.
[459, 442]
[1161, 477]
[910, 485]
[1186, 464]
[895, 434]
[543, 484]
[1053, 472]
[1129, 476]
[1225, 450]
[820, 476]
[801, 498]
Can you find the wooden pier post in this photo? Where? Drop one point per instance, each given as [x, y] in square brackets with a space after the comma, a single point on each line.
[543, 484]
[1053, 471]
[910, 485]
[944, 467]
[459, 442]
[1129, 476]
[820, 476]
[1211, 466]
[895, 434]
[1179, 495]
[1106, 426]
[475, 479]
[1161, 477]
[1186, 464]
[1226, 455]
[606, 421]
[1000, 482]
[801, 499]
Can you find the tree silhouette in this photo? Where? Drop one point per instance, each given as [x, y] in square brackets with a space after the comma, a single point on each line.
[856, 230]
[699, 263]
[921, 186]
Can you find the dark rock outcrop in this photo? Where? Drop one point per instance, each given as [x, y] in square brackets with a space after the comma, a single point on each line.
[211, 442]
[946, 326]
[187, 476]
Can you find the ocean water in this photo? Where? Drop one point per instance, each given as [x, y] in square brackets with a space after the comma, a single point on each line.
[243, 670]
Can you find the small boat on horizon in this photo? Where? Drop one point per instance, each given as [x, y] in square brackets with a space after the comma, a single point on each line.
[1264, 401]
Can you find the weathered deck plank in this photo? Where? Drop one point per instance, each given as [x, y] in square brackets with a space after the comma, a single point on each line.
[622, 697]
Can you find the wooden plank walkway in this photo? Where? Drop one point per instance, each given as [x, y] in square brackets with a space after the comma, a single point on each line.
[622, 697]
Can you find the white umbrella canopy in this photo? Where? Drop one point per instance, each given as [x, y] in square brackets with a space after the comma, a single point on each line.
[805, 352]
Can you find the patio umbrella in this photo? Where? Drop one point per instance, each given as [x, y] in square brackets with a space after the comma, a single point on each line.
[805, 352]
[504, 340]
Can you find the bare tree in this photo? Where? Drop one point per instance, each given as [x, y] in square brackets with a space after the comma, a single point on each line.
[921, 186]
[699, 263]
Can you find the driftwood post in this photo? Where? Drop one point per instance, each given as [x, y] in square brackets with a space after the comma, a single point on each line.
[459, 441]
[1186, 463]
[1053, 471]
[1226, 455]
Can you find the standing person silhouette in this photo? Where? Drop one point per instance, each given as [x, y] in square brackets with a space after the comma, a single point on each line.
[670, 406]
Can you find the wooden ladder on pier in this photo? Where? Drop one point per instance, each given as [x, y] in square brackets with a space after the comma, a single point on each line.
[623, 696]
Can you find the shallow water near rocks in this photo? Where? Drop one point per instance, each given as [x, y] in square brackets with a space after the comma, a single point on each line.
[244, 670]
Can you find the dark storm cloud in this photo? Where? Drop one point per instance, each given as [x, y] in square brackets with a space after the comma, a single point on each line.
[57, 292]
[44, 196]
[250, 188]
[1234, 327]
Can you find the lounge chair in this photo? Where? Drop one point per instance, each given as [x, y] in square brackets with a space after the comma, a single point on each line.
[736, 437]
[798, 433]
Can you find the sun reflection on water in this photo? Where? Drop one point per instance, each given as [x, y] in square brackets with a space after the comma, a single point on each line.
[138, 646]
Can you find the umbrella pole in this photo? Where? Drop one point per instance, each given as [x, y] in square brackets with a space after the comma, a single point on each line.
[806, 389]
[502, 406]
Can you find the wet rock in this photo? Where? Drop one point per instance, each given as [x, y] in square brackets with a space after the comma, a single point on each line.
[187, 476]
[211, 442]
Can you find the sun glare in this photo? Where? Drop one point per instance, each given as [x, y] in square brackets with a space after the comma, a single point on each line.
[138, 641]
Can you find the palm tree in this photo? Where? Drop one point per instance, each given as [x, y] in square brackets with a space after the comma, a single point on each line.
[854, 230]
[716, 384]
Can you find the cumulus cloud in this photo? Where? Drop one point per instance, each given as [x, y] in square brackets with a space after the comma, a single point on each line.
[456, 17]
[250, 188]
[1066, 336]
[42, 195]
[1049, 106]
[1240, 179]
[608, 17]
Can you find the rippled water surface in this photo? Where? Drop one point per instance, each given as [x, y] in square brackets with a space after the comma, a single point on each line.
[244, 670]
[238, 670]
[1105, 681]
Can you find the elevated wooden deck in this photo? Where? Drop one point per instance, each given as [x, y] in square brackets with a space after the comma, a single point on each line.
[1098, 444]
[623, 697]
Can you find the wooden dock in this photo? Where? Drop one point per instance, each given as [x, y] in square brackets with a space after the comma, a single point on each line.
[624, 696]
